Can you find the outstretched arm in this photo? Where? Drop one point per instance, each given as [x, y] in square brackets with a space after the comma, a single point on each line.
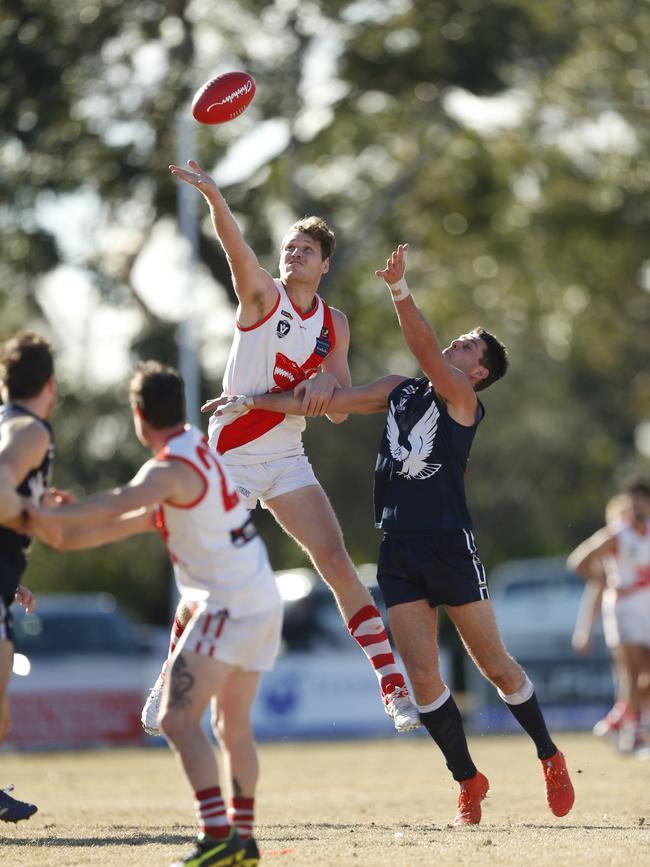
[78, 537]
[111, 515]
[361, 400]
[586, 559]
[449, 382]
[253, 285]
[590, 603]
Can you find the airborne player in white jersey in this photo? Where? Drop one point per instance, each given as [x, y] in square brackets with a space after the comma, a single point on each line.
[223, 574]
[286, 334]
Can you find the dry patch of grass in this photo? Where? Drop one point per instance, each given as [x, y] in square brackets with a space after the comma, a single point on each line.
[372, 803]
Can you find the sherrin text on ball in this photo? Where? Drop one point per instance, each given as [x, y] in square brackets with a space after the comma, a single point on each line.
[223, 98]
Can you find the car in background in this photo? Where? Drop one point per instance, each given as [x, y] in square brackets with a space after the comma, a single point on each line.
[81, 670]
[536, 603]
[312, 620]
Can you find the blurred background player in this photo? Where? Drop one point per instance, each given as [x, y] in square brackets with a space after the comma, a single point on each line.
[617, 510]
[428, 554]
[223, 574]
[28, 392]
[286, 334]
[615, 562]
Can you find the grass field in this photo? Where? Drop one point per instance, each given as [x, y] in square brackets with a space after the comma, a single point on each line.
[371, 803]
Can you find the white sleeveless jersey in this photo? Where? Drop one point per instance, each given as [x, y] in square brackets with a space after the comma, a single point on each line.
[276, 354]
[218, 557]
[628, 570]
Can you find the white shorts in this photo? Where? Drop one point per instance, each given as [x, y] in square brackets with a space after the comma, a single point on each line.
[626, 620]
[270, 479]
[248, 643]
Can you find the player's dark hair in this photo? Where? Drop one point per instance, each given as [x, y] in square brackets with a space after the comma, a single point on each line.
[159, 393]
[638, 485]
[495, 358]
[26, 365]
[318, 230]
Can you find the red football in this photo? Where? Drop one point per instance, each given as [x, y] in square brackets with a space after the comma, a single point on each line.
[223, 98]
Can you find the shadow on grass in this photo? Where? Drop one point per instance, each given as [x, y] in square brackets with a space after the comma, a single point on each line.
[84, 842]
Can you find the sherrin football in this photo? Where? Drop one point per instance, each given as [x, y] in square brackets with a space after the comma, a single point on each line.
[223, 98]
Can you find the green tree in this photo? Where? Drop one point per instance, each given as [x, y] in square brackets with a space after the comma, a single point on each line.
[528, 214]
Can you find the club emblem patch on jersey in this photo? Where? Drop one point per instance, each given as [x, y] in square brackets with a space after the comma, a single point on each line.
[323, 342]
[283, 328]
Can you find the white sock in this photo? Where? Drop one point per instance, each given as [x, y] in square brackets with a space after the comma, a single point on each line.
[523, 693]
[438, 702]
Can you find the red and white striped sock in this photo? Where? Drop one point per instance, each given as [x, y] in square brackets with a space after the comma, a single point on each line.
[175, 635]
[211, 812]
[241, 814]
[368, 630]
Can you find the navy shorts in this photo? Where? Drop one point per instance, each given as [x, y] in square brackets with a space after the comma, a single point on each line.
[442, 567]
[12, 566]
[6, 621]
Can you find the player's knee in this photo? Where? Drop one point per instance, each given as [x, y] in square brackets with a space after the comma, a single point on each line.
[423, 678]
[503, 672]
[334, 564]
[232, 733]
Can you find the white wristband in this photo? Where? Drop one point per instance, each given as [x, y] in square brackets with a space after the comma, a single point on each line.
[399, 290]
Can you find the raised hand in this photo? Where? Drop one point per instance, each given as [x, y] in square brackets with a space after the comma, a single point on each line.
[195, 176]
[395, 266]
[393, 273]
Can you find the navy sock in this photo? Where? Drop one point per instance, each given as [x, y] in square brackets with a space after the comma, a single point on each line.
[445, 725]
[529, 716]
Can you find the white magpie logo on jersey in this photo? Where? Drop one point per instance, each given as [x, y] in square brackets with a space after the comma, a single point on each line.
[420, 443]
[283, 328]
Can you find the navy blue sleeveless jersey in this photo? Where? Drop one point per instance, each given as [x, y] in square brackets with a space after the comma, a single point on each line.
[13, 546]
[420, 469]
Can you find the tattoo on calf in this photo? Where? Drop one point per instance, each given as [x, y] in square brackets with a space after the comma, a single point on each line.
[236, 788]
[182, 682]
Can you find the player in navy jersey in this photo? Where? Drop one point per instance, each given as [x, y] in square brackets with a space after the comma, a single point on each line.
[428, 556]
[28, 392]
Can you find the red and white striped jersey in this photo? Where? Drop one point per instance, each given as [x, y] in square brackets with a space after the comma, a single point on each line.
[276, 354]
[628, 569]
[217, 555]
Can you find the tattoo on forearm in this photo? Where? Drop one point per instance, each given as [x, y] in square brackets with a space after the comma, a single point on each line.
[181, 683]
